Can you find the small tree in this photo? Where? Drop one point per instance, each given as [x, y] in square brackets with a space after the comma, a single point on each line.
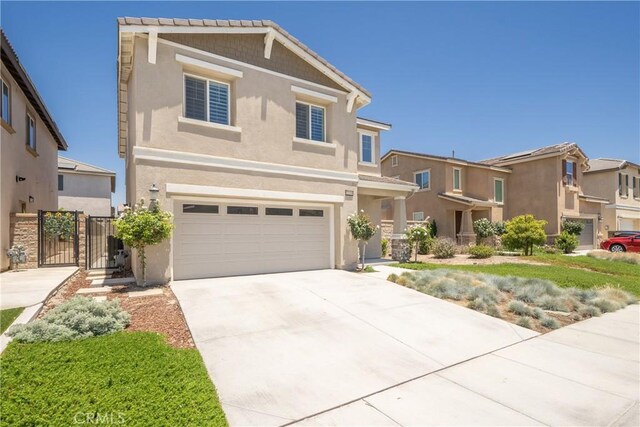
[418, 235]
[523, 232]
[572, 227]
[362, 229]
[141, 227]
[483, 228]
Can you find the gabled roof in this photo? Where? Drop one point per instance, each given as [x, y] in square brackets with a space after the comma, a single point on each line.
[444, 159]
[603, 164]
[12, 64]
[548, 151]
[375, 124]
[466, 200]
[66, 164]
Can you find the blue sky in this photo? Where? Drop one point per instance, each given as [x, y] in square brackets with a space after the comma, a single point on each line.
[480, 78]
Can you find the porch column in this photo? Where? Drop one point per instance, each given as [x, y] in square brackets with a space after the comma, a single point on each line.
[399, 215]
[467, 235]
[400, 250]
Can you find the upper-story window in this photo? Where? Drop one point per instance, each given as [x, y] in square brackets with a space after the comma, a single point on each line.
[367, 154]
[498, 190]
[310, 121]
[457, 179]
[569, 172]
[5, 107]
[31, 132]
[623, 184]
[423, 179]
[636, 187]
[394, 160]
[206, 100]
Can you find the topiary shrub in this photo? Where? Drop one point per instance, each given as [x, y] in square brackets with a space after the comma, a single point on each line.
[75, 319]
[567, 242]
[572, 227]
[444, 248]
[481, 251]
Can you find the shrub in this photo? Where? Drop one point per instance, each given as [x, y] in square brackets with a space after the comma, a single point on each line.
[548, 302]
[537, 313]
[549, 322]
[59, 224]
[493, 311]
[550, 250]
[605, 305]
[487, 294]
[481, 251]
[403, 281]
[75, 319]
[425, 247]
[524, 322]
[572, 227]
[519, 308]
[529, 290]
[589, 311]
[499, 228]
[523, 232]
[444, 248]
[392, 277]
[433, 229]
[483, 228]
[384, 246]
[477, 305]
[567, 242]
[617, 295]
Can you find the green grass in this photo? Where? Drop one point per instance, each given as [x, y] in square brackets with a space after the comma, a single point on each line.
[7, 317]
[561, 275]
[134, 378]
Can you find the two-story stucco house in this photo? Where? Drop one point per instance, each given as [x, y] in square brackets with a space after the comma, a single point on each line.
[254, 143]
[84, 187]
[452, 192]
[29, 147]
[548, 183]
[619, 182]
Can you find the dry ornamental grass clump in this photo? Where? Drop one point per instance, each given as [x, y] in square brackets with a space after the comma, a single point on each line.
[531, 303]
[628, 257]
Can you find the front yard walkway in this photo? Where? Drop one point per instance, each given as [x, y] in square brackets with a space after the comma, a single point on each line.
[29, 287]
[283, 347]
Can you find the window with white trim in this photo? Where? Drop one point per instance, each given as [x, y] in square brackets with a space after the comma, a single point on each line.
[5, 107]
[366, 149]
[206, 100]
[457, 179]
[498, 190]
[418, 216]
[569, 172]
[310, 121]
[31, 132]
[423, 179]
[394, 160]
[623, 184]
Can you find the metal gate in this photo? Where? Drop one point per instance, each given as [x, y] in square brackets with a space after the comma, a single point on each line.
[102, 245]
[57, 238]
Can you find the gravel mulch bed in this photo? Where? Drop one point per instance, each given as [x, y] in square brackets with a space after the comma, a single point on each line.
[467, 260]
[154, 313]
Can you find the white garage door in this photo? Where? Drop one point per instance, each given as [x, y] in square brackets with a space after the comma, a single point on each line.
[230, 239]
[626, 224]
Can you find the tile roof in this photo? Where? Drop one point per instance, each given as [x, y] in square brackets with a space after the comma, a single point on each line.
[443, 158]
[384, 179]
[599, 165]
[228, 23]
[536, 152]
[466, 199]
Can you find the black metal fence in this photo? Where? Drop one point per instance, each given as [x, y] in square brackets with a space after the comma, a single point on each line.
[102, 245]
[57, 238]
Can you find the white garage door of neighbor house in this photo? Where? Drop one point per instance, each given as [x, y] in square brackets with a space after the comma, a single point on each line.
[586, 237]
[626, 224]
[237, 238]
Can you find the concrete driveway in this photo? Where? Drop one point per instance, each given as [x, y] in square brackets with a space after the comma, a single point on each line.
[282, 348]
[29, 287]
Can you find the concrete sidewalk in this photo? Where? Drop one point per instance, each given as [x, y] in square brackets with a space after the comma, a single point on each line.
[586, 374]
[30, 287]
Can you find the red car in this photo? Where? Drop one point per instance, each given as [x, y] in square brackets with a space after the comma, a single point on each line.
[629, 243]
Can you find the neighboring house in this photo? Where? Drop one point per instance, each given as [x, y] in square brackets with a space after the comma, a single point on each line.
[548, 183]
[452, 192]
[619, 182]
[29, 147]
[84, 187]
[255, 146]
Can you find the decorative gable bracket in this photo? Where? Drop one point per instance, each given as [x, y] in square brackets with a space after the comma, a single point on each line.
[269, 37]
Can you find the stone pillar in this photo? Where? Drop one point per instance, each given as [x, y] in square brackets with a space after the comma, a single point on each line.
[82, 240]
[400, 250]
[23, 230]
[467, 235]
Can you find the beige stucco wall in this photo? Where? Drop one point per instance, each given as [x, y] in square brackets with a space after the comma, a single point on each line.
[263, 106]
[39, 170]
[90, 194]
[477, 182]
[371, 206]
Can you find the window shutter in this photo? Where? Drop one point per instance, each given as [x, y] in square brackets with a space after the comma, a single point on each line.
[302, 121]
[564, 172]
[620, 184]
[195, 98]
[626, 185]
[218, 103]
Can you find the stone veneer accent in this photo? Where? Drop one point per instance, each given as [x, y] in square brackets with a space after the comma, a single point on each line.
[23, 230]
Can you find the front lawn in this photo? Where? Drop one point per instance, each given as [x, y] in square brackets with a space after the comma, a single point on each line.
[128, 378]
[7, 317]
[561, 272]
